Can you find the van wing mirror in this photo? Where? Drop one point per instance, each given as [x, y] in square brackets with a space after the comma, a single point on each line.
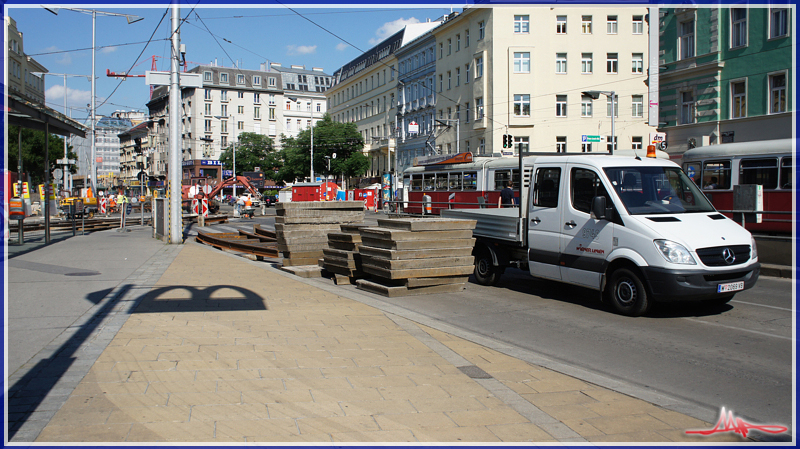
[599, 211]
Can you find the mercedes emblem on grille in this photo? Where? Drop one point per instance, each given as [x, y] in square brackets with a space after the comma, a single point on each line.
[728, 256]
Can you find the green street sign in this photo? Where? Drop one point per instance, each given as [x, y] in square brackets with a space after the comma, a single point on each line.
[590, 139]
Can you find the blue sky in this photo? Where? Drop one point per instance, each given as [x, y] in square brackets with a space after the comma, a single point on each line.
[250, 35]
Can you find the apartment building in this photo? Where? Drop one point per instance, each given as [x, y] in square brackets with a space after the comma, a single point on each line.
[107, 150]
[304, 101]
[726, 75]
[523, 71]
[134, 155]
[20, 68]
[364, 91]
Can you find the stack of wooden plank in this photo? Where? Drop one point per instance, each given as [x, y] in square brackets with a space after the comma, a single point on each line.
[417, 256]
[342, 257]
[302, 227]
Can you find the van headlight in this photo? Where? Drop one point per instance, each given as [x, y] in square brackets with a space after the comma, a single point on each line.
[753, 248]
[674, 252]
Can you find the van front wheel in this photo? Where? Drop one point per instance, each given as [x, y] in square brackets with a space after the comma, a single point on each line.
[627, 293]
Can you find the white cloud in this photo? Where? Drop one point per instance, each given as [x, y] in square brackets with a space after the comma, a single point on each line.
[342, 46]
[108, 49]
[301, 49]
[62, 58]
[390, 28]
[76, 98]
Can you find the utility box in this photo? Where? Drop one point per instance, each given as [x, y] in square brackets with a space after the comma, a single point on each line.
[748, 197]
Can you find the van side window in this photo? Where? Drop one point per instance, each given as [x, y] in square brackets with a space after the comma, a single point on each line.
[716, 175]
[584, 186]
[547, 186]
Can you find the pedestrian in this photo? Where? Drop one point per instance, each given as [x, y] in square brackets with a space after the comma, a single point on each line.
[507, 196]
[239, 205]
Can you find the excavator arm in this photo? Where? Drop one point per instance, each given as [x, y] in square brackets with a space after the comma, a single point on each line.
[218, 188]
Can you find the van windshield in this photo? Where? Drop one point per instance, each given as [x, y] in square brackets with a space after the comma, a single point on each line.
[657, 190]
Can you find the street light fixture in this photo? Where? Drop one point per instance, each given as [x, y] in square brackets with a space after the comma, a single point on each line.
[595, 94]
[131, 19]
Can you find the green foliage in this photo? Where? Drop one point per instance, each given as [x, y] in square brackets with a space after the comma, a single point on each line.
[33, 150]
[253, 150]
[341, 139]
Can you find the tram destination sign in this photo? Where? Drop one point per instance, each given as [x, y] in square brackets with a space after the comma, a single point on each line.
[443, 159]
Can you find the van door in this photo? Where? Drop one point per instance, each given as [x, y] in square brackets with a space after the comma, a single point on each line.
[585, 242]
[544, 222]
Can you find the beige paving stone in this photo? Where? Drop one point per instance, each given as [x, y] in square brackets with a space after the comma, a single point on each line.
[133, 400]
[224, 412]
[292, 439]
[455, 380]
[352, 371]
[123, 354]
[200, 365]
[92, 388]
[471, 389]
[563, 384]
[679, 420]
[503, 415]
[409, 370]
[605, 395]
[381, 360]
[416, 392]
[162, 376]
[382, 381]
[227, 348]
[290, 373]
[567, 412]
[149, 341]
[298, 410]
[560, 398]
[582, 427]
[194, 431]
[80, 416]
[343, 394]
[337, 424]
[522, 388]
[327, 362]
[266, 364]
[634, 437]
[94, 433]
[197, 386]
[380, 436]
[200, 341]
[189, 398]
[250, 385]
[300, 352]
[623, 424]
[521, 432]
[472, 434]
[378, 407]
[109, 376]
[275, 396]
[621, 408]
[447, 404]
[317, 384]
[145, 365]
[150, 414]
[414, 421]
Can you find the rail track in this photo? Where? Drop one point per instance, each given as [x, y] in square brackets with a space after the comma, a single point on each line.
[261, 242]
[88, 225]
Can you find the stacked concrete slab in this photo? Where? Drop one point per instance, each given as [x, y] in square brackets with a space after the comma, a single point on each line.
[342, 257]
[302, 227]
[416, 256]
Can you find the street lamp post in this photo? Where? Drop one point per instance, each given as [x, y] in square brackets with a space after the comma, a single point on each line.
[131, 19]
[595, 94]
[234, 147]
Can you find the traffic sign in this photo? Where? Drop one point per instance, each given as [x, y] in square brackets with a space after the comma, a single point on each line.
[58, 174]
[589, 139]
[128, 208]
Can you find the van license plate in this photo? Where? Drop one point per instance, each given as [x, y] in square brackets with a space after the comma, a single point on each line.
[730, 287]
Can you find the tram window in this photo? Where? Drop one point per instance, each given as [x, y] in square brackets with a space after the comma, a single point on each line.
[416, 182]
[546, 187]
[501, 179]
[515, 177]
[427, 181]
[441, 181]
[455, 181]
[717, 175]
[787, 164]
[470, 180]
[759, 171]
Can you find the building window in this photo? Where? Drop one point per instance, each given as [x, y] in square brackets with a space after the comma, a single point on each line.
[466, 72]
[561, 24]
[687, 108]
[479, 108]
[561, 105]
[478, 67]
[272, 113]
[609, 139]
[257, 112]
[271, 81]
[637, 63]
[240, 110]
[586, 63]
[458, 76]
[738, 99]
[561, 63]
[777, 93]
[207, 76]
[458, 45]
[612, 62]
[586, 147]
[256, 97]
[466, 115]
[239, 79]
[522, 144]
[288, 124]
[521, 24]
[636, 143]
[449, 80]
[223, 78]
[522, 105]
[207, 127]
[522, 62]
[208, 109]
[240, 126]
[449, 47]
[441, 82]
[481, 30]
[223, 110]
[272, 99]
[223, 141]
[687, 39]
[779, 22]
[241, 94]
[586, 106]
[223, 95]
[561, 144]
[257, 80]
[738, 27]
[611, 25]
[638, 25]
[207, 94]
[616, 106]
[223, 126]
[586, 24]
[637, 106]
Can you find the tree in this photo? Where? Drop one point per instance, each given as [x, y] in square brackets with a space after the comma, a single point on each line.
[33, 150]
[341, 139]
[253, 150]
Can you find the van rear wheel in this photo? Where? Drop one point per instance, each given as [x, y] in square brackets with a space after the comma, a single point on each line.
[627, 293]
[485, 271]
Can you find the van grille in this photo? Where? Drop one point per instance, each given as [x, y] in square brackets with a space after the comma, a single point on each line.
[714, 257]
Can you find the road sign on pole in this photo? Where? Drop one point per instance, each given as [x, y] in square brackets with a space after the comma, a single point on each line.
[590, 139]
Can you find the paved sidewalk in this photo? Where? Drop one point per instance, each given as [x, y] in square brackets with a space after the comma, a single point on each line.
[221, 349]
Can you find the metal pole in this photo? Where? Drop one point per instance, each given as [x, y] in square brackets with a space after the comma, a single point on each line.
[312, 144]
[46, 182]
[613, 113]
[66, 167]
[234, 164]
[175, 219]
[92, 118]
[21, 232]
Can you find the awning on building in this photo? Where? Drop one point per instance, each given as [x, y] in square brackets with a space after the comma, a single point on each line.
[34, 116]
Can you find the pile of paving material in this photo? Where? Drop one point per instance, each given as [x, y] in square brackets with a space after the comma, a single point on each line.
[417, 256]
[302, 227]
[342, 257]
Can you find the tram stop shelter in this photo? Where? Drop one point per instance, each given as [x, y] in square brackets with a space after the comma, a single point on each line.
[26, 114]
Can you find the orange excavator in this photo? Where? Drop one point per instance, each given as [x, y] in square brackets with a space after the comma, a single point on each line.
[188, 193]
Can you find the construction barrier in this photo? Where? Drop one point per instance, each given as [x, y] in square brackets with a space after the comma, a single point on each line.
[16, 210]
[102, 208]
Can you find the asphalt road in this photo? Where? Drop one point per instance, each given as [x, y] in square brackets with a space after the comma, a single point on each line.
[738, 356]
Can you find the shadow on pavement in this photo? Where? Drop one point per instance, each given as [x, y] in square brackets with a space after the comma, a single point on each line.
[187, 298]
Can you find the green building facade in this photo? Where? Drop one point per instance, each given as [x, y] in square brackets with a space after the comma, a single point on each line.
[725, 75]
